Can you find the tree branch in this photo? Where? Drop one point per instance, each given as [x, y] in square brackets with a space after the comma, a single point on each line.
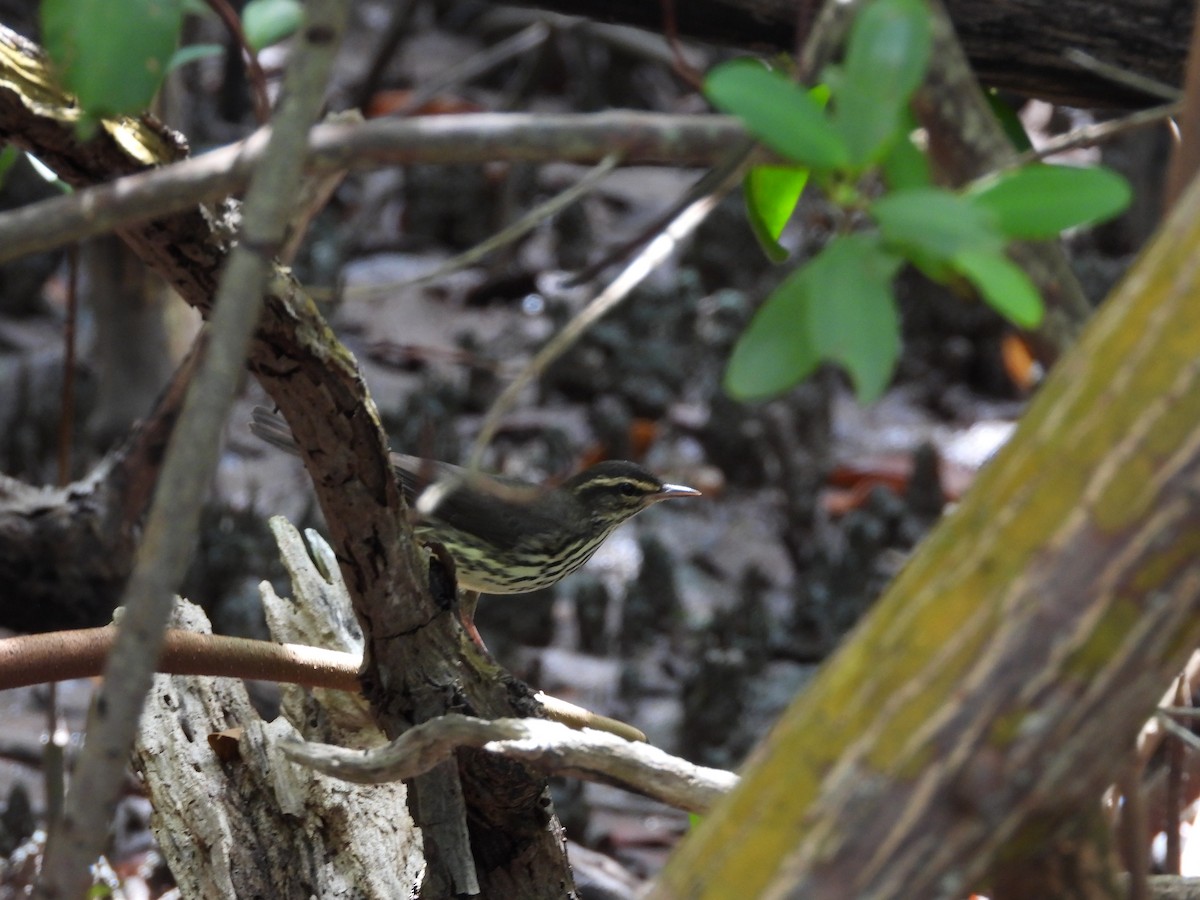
[639, 138]
[551, 746]
[170, 532]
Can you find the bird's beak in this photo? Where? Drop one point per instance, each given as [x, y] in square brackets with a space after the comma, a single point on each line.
[675, 490]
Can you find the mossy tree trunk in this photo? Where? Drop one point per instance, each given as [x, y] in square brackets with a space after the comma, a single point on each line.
[973, 720]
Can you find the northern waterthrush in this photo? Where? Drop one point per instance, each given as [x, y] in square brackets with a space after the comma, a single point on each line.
[507, 536]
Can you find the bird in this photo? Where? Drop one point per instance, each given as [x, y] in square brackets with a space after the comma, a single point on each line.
[507, 536]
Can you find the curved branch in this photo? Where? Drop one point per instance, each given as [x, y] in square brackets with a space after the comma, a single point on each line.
[551, 746]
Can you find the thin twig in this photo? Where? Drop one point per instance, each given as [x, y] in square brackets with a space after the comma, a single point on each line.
[388, 44]
[50, 657]
[1185, 152]
[512, 233]
[1175, 766]
[1124, 77]
[1098, 133]
[187, 472]
[473, 66]
[641, 139]
[66, 413]
[254, 71]
[1179, 731]
[655, 253]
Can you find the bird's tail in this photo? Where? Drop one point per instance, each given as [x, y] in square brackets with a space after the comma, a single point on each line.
[273, 429]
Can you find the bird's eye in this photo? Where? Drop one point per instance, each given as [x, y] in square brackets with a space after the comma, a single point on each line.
[629, 489]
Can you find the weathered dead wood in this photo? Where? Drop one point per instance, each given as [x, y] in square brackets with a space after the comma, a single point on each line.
[418, 662]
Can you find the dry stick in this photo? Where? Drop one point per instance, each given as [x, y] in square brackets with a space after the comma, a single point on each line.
[1134, 847]
[1098, 133]
[640, 138]
[1175, 754]
[54, 761]
[549, 745]
[513, 232]
[1185, 154]
[187, 473]
[81, 653]
[473, 66]
[396, 31]
[655, 253]
[1117, 75]
[254, 72]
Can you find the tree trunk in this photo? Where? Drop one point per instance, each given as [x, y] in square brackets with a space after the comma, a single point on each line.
[979, 711]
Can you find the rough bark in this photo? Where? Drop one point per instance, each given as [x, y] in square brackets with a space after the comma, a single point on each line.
[1018, 45]
[65, 553]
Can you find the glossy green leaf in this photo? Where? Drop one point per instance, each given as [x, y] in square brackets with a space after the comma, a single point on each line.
[1004, 285]
[113, 58]
[839, 308]
[1040, 201]
[772, 193]
[781, 114]
[932, 226]
[886, 58]
[268, 22]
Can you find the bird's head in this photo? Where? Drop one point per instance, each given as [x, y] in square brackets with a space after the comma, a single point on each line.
[613, 491]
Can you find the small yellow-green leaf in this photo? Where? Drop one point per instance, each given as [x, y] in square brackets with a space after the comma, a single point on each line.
[772, 193]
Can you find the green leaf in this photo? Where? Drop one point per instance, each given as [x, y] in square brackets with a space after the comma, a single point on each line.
[905, 166]
[193, 53]
[1004, 285]
[781, 114]
[1009, 121]
[1039, 201]
[931, 226]
[772, 193]
[268, 22]
[886, 59]
[838, 307]
[113, 58]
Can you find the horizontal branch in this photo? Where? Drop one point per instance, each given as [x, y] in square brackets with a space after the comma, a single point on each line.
[553, 747]
[80, 653]
[56, 656]
[639, 138]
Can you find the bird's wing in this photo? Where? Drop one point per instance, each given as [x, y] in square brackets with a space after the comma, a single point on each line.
[500, 511]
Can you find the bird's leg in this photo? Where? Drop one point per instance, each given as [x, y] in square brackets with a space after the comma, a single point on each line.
[446, 587]
[467, 602]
